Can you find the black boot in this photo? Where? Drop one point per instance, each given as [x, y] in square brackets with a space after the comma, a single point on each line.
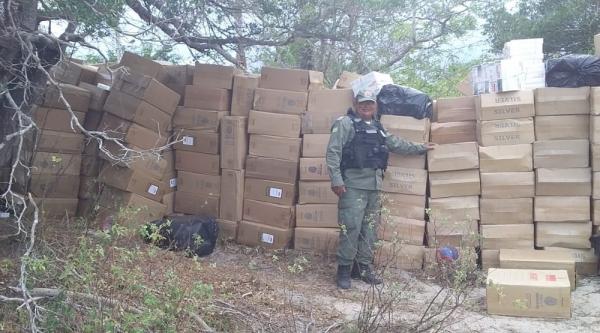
[355, 274]
[343, 276]
[367, 275]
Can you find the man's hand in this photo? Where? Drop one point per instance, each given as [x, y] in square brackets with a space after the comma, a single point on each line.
[430, 145]
[338, 190]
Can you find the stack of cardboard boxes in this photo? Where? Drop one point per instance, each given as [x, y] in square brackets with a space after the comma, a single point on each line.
[595, 150]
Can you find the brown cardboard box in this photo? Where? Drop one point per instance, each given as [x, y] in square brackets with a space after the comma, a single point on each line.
[131, 181]
[454, 132]
[345, 80]
[455, 209]
[98, 95]
[595, 157]
[506, 236]
[507, 185]
[197, 141]
[407, 161]
[196, 203]
[242, 98]
[318, 240]
[227, 229]
[59, 142]
[510, 292]
[285, 79]
[562, 127]
[313, 169]
[169, 202]
[562, 101]
[454, 183]
[130, 133]
[567, 182]
[595, 101]
[408, 128]
[280, 101]
[315, 145]
[400, 229]
[234, 143]
[55, 119]
[232, 189]
[179, 76]
[56, 164]
[490, 259]
[280, 216]
[586, 262]
[538, 259]
[149, 165]
[54, 186]
[596, 212]
[272, 169]
[270, 191]
[454, 156]
[256, 234]
[505, 105]
[92, 120]
[452, 233]
[73, 73]
[455, 109]
[317, 216]
[207, 98]
[57, 208]
[506, 211]
[199, 183]
[198, 119]
[138, 209]
[404, 205]
[405, 181]
[594, 129]
[318, 123]
[561, 154]
[562, 209]
[506, 132]
[513, 158]
[91, 165]
[316, 192]
[141, 65]
[147, 89]
[78, 98]
[89, 188]
[397, 255]
[275, 147]
[266, 123]
[214, 76]
[575, 235]
[324, 107]
[140, 112]
[197, 162]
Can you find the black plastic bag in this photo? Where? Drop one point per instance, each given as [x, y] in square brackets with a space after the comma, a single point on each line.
[573, 71]
[196, 234]
[403, 101]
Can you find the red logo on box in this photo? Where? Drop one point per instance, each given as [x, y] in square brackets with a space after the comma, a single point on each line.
[533, 276]
[551, 277]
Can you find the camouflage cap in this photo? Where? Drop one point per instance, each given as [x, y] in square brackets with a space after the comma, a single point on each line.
[366, 95]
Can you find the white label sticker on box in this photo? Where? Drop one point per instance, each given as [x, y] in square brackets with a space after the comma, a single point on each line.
[275, 192]
[267, 238]
[4, 215]
[153, 189]
[188, 140]
[173, 182]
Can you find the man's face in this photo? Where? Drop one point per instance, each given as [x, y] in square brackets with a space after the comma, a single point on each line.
[366, 110]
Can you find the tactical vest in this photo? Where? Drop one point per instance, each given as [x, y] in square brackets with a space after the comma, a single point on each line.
[367, 149]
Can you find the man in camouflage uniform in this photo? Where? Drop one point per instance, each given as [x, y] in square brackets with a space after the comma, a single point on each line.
[356, 158]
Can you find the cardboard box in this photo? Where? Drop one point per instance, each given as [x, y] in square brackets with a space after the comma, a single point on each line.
[256, 234]
[149, 165]
[56, 164]
[404, 205]
[454, 132]
[318, 240]
[452, 233]
[266, 123]
[198, 119]
[400, 229]
[506, 105]
[275, 147]
[227, 229]
[313, 169]
[454, 183]
[490, 259]
[324, 107]
[280, 101]
[232, 189]
[199, 183]
[405, 181]
[506, 236]
[594, 129]
[595, 100]
[131, 133]
[207, 98]
[505, 132]
[538, 259]
[89, 188]
[455, 109]
[317, 216]
[454, 156]
[137, 209]
[567, 182]
[513, 158]
[55, 119]
[345, 80]
[574, 235]
[315, 145]
[506, 211]
[197, 141]
[595, 157]
[54, 186]
[507, 185]
[78, 98]
[454, 209]
[98, 95]
[288, 79]
[214, 76]
[596, 212]
[586, 262]
[147, 89]
[131, 181]
[91, 165]
[528, 293]
[561, 154]
[59, 142]
[281, 216]
[242, 98]
[169, 202]
[92, 120]
[179, 76]
[316, 192]
[407, 161]
[57, 208]
[72, 73]
[272, 169]
[562, 209]
[397, 255]
[234, 143]
[562, 127]
[138, 111]
[551, 101]
[318, 123]
[197, 162]
[270, 191]
[408, 128]
[138, 64]
[196, 203]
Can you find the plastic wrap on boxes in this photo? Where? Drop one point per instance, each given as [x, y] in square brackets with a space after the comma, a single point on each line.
[573, 71]
[403, 101]
[373, 81]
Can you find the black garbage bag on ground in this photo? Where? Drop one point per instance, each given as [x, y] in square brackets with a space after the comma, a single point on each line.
[198, 234]
[573, 71]
[595, 240]
[403, 101]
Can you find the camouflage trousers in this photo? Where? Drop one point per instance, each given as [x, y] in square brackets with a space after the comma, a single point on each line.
[358, 216]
